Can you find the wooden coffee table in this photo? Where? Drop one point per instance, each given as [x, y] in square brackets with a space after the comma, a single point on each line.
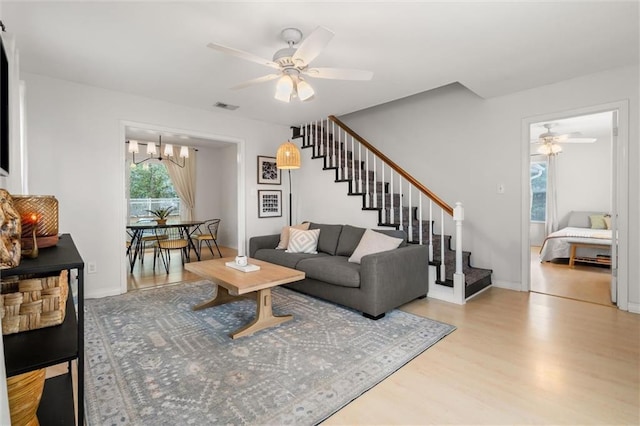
[235, 285]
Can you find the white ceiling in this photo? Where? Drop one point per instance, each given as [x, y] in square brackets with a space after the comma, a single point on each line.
[158, 49]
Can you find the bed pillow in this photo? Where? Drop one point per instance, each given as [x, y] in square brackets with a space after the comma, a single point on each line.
[373, 242]
[284, 235]
[607, 221]
[597, 221]
[303, 241]
[579, 219]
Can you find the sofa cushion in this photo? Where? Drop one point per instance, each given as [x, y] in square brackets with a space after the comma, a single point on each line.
[349, 239]
[303, 241]
[373, 242]
[329, 234]
[282, 258]
[284, 234]
[331, 269]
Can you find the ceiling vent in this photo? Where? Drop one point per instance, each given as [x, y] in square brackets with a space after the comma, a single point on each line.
[226, 106]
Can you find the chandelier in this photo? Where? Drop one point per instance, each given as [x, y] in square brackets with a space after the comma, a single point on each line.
[155, 152]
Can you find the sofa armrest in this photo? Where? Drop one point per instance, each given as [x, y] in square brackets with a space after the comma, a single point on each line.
[264, 241]
[399, 274]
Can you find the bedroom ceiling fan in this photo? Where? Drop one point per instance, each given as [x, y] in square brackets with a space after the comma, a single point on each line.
[292, 64]
[550, 141]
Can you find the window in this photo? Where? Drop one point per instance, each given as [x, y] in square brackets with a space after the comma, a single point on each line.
[538, 182]
[150, 188]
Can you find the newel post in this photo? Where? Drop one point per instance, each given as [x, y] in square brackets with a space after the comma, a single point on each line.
[458, 276]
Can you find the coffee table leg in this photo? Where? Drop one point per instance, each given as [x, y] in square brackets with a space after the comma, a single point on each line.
[222, 297]
[264, 316]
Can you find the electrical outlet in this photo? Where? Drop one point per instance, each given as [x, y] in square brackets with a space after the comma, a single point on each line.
[500, 188]
[91, 268]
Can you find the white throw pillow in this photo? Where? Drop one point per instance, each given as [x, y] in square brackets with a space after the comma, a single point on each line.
[303, 241]
[284, 235]
[373, 242]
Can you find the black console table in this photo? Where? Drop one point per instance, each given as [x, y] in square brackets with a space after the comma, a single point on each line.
[35, 349]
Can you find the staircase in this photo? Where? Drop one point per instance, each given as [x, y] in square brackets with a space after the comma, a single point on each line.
[401, 202]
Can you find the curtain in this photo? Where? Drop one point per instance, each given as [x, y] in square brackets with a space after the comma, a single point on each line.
[551, 221]
[184, 181]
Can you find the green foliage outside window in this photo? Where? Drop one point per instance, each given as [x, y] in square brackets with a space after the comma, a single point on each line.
[151, 182]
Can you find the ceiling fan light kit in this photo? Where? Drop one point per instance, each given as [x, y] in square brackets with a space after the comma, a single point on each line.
[293, 62]
[550, 141]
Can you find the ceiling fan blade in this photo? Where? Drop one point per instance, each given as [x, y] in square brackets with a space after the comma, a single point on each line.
[311, 46]
[579, 140]
[339, 73]
[243, 55]
[262, 79]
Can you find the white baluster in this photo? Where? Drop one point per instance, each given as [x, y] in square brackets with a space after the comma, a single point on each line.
[458, 216]
[367, 190]
[322, 137]
[360, 167]
[458, 278]
[375, 183]
[346, 160]
[410, 218]
[318, 141]
[353, 165]
[420, 218]
[334, 138]
[393, 213]
[442, 267]
[430, 230]
[400, 203]
[383, 192]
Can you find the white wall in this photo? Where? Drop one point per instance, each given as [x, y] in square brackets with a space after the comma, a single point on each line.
[213, 168]
[462, 146]
[317, 198]
[76, 153]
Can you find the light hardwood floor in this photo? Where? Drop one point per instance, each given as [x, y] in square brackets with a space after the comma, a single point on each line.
[515, 358]
[144, 277]
[584, 282]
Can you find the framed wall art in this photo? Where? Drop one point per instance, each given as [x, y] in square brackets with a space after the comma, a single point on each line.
[268, 173]
[269, 203]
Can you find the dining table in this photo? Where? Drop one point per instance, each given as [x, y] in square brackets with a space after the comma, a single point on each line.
[137, 230]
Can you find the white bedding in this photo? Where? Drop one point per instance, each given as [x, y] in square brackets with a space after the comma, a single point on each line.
[556, 245]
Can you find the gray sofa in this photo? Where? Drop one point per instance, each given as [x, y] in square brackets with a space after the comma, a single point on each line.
[381, 282]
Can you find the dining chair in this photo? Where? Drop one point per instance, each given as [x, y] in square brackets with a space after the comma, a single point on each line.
[210, 234]
[174, 240]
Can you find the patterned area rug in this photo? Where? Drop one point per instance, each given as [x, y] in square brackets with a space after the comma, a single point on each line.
[151, 360]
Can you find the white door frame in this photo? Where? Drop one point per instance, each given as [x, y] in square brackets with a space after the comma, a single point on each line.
[240, 183]
[620, 181]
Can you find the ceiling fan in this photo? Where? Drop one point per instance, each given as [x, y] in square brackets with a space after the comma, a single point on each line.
[292, 64]
[549, 140]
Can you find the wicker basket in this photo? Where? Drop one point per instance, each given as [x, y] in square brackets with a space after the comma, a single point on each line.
[29, 303]
[45, 207]
[25, 392]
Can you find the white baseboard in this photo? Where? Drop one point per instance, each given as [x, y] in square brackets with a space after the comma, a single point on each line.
[507, 285]
[634, 307]
[100, 294]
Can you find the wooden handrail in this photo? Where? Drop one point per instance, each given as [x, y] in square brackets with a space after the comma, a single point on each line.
[426, 191]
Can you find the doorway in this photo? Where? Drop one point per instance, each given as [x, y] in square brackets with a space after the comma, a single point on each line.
[216, 159]
[571, 172]
[590, 175]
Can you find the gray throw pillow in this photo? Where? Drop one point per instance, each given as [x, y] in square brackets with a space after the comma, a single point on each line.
[329, 234]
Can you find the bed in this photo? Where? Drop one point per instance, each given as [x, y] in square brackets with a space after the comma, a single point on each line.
[587, 233]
